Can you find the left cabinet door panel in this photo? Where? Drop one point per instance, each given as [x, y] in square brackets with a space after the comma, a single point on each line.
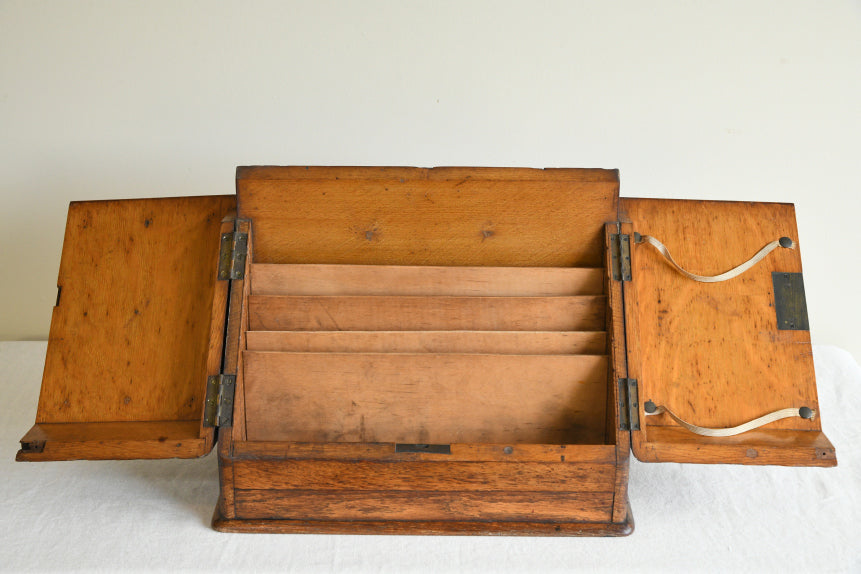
[137, 328]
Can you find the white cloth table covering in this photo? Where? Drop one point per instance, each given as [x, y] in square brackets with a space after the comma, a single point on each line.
[154, 515]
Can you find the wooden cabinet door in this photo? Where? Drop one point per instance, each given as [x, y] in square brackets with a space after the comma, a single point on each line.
[137, 328]
[719, 354]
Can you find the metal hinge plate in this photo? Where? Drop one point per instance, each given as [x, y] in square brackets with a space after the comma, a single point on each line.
[629, 405]
[231, 258]
[620, 256]
[219, 401]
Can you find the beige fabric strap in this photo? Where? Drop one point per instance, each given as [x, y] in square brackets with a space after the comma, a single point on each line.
[734, 272]
[750, 425]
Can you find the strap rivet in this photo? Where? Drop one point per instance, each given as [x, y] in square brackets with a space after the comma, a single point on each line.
[650, 407]
[805, 412]
[786, 242]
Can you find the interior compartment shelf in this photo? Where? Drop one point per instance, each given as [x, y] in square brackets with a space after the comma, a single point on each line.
[425, 355]
[381, 313]
[491, 342]
[425, 397]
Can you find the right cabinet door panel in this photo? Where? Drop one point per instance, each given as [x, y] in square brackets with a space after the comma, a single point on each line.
[719, 354]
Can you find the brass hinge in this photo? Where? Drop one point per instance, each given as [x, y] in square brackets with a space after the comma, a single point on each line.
[231, 258]
[629, 405]
[219, 401]
[620, 256]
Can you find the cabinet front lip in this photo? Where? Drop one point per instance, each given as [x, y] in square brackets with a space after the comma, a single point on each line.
[130, 440]
[776, 447]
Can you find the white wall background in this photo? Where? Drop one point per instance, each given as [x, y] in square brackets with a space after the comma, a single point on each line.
[701, 100]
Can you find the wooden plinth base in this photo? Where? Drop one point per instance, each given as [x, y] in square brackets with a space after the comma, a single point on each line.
[471, 528]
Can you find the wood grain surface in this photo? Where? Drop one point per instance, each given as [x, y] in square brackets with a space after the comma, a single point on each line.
[618, 369]
[423, 475]
[778, 447]
[425, 398]
[378, 313]
[450, 217]
[460, 452]
[426, 527]
[375, 294]
[268, 279]
[114, 441]
[130, 334]
[423, 505]
[136, 330]
[273, 173]
[484, 342]
[235, 330]
[713, 352]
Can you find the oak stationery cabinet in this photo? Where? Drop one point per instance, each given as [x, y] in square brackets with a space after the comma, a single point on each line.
[448, 350]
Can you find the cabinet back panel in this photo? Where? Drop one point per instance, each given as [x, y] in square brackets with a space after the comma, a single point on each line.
[499, 218]
[309, 279]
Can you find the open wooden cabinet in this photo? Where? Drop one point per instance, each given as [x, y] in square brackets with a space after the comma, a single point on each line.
[433, 351]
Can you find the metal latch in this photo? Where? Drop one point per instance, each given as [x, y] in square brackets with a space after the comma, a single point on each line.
[219, 401]
[433, 448]
[231, 258]
[629, 405]
[790, 305]
[620, 256]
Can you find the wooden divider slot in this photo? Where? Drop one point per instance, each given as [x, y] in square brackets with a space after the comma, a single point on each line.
[394, 280]
[425, 355]
[425, 397]
[378, 313]
[490, 342]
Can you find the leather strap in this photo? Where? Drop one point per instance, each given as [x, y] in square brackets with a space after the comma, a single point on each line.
[734, 272]
[750, 425]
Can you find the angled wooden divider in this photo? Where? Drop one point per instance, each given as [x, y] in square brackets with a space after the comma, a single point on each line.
[382, 353]
[425, 397]
[381, 313]
[499, 342]
[392, 280]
